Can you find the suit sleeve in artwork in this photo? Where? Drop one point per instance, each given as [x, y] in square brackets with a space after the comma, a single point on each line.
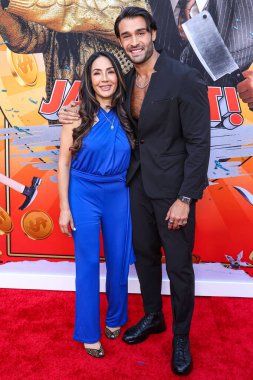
[97, 16]
[195, 117]
[22, 36]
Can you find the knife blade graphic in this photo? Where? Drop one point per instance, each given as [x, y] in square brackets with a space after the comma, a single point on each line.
[210, 48]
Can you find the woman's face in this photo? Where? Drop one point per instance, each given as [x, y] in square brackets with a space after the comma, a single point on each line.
[103, 78]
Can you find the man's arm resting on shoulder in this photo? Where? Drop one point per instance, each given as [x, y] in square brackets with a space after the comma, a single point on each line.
[69, 114]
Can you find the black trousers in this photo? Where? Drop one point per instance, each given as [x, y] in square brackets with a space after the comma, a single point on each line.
[150, 232]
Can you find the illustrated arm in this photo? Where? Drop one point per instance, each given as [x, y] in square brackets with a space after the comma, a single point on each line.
[245, 88]
[22, 36]
[97, 16]
[11, 183]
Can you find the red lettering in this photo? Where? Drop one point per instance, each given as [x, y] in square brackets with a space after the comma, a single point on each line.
[233, 106]
[56, 98]
[63, 93]
[214, 93]
[73, 94]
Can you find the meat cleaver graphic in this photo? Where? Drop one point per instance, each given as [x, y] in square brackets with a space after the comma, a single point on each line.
[210, 48]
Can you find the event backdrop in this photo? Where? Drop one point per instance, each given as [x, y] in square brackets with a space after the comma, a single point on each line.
[43, 49]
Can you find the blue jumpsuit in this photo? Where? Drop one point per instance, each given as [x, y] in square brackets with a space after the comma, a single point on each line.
[99, 198]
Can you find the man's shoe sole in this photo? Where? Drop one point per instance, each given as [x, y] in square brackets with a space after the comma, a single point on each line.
[144, 336]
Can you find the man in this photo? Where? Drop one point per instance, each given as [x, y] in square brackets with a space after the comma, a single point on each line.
[168, 105]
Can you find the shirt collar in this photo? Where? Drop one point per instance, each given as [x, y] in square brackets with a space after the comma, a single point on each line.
[200, 4]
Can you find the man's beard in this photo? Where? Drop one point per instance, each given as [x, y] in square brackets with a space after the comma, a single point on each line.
[142, 59]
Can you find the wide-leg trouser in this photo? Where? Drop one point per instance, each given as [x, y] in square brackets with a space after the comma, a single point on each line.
[94, 205]
[150, 232]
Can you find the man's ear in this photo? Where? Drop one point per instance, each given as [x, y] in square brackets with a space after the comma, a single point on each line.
[153, 35]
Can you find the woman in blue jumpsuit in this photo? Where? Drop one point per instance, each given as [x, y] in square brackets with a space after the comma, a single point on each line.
[93, 161]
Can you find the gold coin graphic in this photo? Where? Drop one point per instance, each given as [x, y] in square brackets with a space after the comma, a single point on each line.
[23, 67]
[6, 225]
[37, 224]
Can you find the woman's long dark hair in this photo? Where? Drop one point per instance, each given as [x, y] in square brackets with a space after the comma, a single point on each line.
[89, 106]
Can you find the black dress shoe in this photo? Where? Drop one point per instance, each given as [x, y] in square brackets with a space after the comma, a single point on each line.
[151, 323]
[181, 355]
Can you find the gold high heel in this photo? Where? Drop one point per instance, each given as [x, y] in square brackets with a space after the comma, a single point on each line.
[112, 334]
[96, 352]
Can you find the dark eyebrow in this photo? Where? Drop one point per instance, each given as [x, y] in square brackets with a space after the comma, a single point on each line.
[137, 30]
[108, 68]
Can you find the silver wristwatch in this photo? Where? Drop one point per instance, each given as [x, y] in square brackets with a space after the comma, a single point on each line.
[184, 199]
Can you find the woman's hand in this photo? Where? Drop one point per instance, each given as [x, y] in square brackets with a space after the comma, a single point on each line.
[66, 220]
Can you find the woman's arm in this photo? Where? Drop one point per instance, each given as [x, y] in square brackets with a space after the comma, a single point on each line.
[64, 164]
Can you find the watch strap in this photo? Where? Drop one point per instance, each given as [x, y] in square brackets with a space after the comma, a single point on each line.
[184, 199]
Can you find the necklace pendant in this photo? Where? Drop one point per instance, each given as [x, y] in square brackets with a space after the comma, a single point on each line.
[112, 126]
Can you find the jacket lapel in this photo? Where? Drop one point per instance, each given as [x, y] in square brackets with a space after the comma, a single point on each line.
[152, 92]
[153, 88]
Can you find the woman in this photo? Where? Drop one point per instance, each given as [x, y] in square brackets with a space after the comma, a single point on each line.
[93, 160]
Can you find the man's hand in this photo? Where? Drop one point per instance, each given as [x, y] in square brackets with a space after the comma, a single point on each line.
[245, 88]
[177, 215]
[69, 114]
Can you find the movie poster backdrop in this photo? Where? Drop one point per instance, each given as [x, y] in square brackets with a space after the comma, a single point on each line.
[43, 48]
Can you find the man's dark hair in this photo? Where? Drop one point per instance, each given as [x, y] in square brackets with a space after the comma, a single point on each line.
[132, 12]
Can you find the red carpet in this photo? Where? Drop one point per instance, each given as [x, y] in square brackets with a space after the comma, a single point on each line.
[36, 341]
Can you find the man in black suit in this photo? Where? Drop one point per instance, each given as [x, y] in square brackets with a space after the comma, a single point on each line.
[168, 105]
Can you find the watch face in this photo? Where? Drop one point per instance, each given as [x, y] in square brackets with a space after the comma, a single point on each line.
[185, 199]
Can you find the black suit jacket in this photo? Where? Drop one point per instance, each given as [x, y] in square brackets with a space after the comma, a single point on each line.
[173, 131]
[233, 19]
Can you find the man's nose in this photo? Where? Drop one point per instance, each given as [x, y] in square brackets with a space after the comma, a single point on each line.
[134, 41]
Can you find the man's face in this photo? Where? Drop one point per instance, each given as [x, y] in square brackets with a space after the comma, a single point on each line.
[137, 42]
